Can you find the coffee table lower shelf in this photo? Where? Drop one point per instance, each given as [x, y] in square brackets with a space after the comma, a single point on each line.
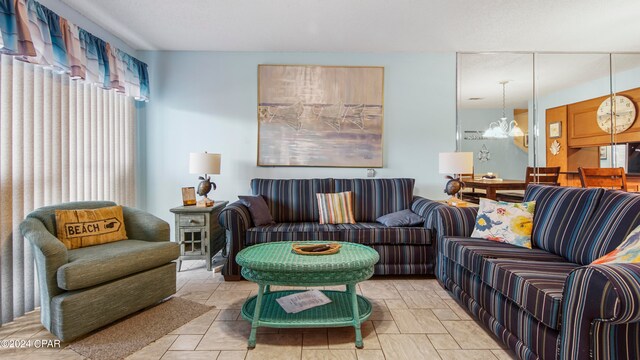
[335, 314]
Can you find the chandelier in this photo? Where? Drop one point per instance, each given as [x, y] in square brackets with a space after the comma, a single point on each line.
[502, 129]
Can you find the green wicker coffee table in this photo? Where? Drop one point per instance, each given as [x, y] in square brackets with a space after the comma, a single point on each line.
[276, 264]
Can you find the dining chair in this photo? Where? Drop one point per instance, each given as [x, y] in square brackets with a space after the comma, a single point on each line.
[534, 175]
[471, 195]
[609, 178]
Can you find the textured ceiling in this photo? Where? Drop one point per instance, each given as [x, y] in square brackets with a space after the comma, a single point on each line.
[369, 25]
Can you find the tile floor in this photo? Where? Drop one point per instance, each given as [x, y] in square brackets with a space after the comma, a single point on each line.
[413, 319]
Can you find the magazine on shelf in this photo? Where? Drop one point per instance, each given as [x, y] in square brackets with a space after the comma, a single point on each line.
[301, 301]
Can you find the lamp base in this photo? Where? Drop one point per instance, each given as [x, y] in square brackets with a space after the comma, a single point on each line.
[453, 201]
[205, 202]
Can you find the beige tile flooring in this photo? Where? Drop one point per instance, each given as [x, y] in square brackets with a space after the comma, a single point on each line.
[413, 318]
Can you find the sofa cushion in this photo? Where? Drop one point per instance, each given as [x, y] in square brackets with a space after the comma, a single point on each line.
[562, 214]
[335, 208]
[472, 253]
[98, 264]
[617, 215]
[533, 285]
[505, 222]
[258, 209]
[292, 200]
[373, 233]
[291, 231]
[376, 197]
[361, 233]
[626, 253]
[401, 218]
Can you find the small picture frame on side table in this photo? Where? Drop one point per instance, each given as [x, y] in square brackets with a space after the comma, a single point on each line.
[555, 130]
[188, 196]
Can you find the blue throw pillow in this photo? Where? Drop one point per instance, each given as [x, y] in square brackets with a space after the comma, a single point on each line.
[258, 208]
[400, 218]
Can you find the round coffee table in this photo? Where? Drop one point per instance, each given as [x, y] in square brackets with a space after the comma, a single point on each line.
[276, 264]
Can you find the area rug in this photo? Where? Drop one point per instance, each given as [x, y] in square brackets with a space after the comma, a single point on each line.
[131, 334]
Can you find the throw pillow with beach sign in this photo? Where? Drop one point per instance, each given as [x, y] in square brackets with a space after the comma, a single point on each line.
[87, 227]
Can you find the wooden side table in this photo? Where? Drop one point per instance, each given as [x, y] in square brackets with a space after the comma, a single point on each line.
[198, 232]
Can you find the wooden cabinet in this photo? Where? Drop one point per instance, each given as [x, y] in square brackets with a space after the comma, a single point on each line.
[583, 128]
[581, 137]
[198, 232]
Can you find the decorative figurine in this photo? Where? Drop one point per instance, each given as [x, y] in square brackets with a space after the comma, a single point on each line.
[204, 187]
[453, 186]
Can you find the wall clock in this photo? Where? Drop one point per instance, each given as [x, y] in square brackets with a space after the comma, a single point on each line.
[624, 110]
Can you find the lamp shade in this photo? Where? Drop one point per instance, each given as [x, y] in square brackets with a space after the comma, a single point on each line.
[204, 163]
[455, 163]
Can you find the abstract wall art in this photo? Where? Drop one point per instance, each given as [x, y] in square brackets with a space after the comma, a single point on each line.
[323, 116]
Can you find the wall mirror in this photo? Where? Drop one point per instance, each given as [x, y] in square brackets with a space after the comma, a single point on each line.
[495, 93]
[569, 110]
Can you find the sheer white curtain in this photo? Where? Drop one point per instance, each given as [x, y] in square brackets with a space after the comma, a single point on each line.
[60, 140]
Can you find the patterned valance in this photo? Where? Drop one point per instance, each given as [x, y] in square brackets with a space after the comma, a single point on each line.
[33, 33]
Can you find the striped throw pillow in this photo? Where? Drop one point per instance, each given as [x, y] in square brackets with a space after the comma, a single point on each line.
[336, 208]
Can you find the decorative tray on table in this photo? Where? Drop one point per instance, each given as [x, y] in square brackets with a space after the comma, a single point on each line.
[316, 249]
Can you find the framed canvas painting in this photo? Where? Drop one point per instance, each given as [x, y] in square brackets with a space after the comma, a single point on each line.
[323, 116]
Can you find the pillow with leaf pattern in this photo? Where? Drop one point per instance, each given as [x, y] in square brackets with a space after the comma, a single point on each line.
[627, 252]
[505, 222]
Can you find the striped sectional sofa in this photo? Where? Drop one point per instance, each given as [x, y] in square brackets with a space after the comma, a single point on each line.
[293, 205]
[549, 302]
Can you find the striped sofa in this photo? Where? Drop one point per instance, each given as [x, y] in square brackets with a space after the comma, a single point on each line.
[549, 302]
[293, 205]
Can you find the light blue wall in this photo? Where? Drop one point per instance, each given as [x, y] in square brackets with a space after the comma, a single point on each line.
[207, 101]
[508, 161]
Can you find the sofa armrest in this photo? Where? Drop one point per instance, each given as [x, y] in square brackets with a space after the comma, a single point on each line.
[455, 221]
[235, 219]
[425, 209]
[141, 225]
[595, 296]
[49, 254]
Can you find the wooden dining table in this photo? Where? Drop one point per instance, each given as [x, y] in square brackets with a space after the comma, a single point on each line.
[491, 186]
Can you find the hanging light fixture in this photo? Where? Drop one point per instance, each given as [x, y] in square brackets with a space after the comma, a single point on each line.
[502, 129]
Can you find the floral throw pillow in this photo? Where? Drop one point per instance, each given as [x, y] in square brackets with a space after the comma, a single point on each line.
[627, 252]
[510, 223]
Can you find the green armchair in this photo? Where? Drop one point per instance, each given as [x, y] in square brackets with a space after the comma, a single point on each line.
[84, 289]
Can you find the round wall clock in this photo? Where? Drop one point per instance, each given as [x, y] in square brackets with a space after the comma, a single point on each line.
[625, 114]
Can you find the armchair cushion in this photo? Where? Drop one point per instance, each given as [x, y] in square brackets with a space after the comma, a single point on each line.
[47, 214]
[87, 227]
[96, 265]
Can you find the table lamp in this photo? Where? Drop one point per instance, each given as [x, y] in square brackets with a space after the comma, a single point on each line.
[204, 163]
[455, 163]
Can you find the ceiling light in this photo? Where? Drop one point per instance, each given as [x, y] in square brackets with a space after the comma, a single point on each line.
[502, 129]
